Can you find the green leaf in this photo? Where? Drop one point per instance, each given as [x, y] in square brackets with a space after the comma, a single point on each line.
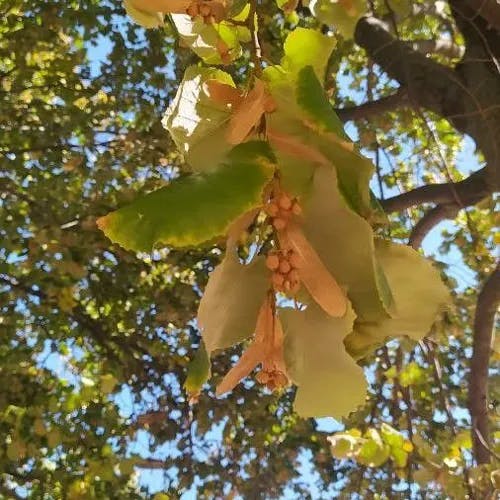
[306, 47]
[198, 371]
[344, 242]
[329, 382]
[343, 15]
[312, 99]
[373, 452]
[400, 447]
[196, 122]
[419, 296]
[196, 208]
[344, 445]
[411, 374]
[233, 296]
[108, 383]
[354, 171]
[305, 114]
[210, 41]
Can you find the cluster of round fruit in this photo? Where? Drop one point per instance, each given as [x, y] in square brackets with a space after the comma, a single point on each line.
[211, 11]
[285, 277]
[280, 209]
[272, 378]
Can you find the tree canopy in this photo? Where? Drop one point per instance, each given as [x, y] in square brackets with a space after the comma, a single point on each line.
[223, 221]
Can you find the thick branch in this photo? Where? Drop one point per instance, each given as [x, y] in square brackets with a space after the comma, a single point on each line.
[441, 46]
[467, 192]
[374, 108]
[451, 197]
[487, 306]
[430, 85]
[431, 219]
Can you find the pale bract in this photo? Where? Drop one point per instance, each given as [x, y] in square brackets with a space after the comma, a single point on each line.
[329, 381]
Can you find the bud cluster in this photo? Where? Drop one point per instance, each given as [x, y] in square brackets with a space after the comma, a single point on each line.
[280, 209]
[284, 265]
[273, 379]
[211, 11]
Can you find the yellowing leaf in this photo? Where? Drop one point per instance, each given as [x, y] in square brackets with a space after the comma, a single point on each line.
[66, 299]
[306, 47]
[147, 19]
[248, 113]
[195, 208]
[196, 120]
[344, 242]
[343, 14]
[233, 296]
[198, 372]
[108, 383]
[214, 43]
[329, 381]
[419, 296]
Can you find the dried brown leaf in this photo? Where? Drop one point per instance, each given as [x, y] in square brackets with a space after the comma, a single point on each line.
[222, 93]
[254, 354]
[247, 362]
[248, 114]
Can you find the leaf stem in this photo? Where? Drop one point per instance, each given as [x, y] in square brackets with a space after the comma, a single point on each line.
[255, 50]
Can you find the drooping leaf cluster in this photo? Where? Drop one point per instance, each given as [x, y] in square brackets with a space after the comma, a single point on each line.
[278, 147]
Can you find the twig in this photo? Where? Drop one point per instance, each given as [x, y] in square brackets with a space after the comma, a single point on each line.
[255, 52]
[431, 219]
[374, 108]
[469, 191]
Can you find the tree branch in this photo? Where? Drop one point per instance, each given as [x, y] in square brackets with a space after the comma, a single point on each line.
[374, 108]
[152, 463]
[430, 85]
[451, 197]
[487, 306]
[151, 418]
[431, 219]
[488, 10]
[468, 192]
[441, 46]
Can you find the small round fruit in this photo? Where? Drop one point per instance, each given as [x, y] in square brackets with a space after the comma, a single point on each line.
[279, 223]
[277, 279]
[284, 266]
[272, 262]
[285, 202]
[294, 260]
